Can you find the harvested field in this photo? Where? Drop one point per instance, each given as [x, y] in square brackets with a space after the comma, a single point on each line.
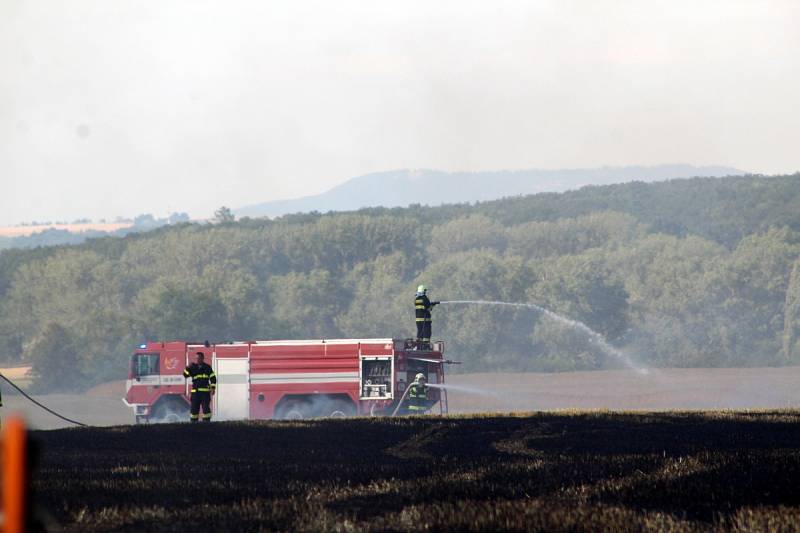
[22, 231]
[16, 372]
[111, 389]
[568, 471]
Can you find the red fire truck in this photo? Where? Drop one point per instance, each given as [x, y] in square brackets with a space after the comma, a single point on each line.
[284, 379]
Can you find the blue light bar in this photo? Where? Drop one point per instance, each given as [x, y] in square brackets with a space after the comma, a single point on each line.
[142, 346]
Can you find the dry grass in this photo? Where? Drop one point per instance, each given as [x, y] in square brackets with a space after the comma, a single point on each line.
[16, 372]
[572, 471]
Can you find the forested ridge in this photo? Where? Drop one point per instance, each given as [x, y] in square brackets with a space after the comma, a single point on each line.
[695, 272]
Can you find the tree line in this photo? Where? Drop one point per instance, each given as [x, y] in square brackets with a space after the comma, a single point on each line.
[699, 272]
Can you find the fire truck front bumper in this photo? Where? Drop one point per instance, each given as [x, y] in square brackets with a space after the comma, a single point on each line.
[139, 409]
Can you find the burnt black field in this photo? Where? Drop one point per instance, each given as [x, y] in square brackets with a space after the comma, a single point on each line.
[573, 471]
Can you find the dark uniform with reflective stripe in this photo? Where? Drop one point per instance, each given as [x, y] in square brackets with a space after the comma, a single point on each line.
[418, 398]
[204, 380]
[422, 310]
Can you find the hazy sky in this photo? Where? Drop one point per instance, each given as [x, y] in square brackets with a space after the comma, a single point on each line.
[121, 107]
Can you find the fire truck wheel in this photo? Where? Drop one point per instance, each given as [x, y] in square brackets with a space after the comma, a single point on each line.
[340, 409]
[171, 418]
[295, 410]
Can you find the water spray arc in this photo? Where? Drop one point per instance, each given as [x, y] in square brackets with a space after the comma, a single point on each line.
[468, 390]
[594, 336]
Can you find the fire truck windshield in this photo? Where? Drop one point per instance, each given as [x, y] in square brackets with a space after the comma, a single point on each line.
[145, 364]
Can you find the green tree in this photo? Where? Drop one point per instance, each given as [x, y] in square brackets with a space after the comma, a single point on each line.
[485, 337]
[380, 294]
[584, 288]
[170, 310]
[55, 361]
[571, 236]
[474, 232]
[306, 305]
[224, 215]
[791, 313]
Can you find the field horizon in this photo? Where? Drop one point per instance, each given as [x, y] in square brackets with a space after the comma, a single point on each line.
[627, 390]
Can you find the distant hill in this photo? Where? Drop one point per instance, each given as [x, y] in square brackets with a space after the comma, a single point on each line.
[399, 188]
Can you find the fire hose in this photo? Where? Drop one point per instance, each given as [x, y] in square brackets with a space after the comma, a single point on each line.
[62, 417]
[400, 403]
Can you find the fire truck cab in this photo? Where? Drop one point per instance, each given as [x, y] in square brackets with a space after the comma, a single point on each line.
[284, 379]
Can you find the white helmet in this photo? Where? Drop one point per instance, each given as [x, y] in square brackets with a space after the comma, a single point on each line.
[419, 377]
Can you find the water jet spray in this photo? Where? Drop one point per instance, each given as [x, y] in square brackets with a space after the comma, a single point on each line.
[594, 336]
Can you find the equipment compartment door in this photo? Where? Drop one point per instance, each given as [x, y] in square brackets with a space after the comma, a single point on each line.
[376, 377]
[232, 401]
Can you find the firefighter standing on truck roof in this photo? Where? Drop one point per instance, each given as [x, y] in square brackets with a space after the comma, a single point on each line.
[204, 384]
[418, 395]
[422, 311]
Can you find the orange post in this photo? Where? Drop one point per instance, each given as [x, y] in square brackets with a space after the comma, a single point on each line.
[15, 482]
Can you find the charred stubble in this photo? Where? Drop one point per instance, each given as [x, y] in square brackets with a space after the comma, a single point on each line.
[584, 471]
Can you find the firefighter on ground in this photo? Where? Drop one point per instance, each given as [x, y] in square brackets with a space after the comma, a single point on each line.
[204, 384]
[422, 311]
[418, 395]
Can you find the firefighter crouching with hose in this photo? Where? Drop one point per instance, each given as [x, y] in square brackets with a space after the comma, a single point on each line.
[204, 385]
[418, 396]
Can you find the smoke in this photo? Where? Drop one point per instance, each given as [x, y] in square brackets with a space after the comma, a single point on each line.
[171, 415]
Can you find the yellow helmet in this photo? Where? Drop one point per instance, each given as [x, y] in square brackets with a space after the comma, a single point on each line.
[422, 288]
[419, 377]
